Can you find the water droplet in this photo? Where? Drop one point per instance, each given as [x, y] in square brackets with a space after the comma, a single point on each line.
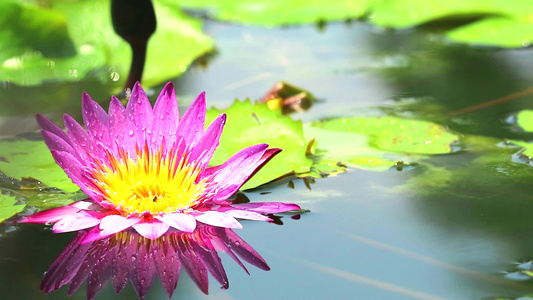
[114, 76]
[73, 73]
[131, 132]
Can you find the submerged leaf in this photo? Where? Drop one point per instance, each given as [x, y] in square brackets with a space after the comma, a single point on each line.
[249, 124]
[32, 159]
[8, 207]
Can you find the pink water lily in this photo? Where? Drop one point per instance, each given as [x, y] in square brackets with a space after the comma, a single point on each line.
[144, 168]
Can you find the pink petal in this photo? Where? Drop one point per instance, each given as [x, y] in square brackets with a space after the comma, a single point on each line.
[248, 215]
[191, 125]
[95, 119]
[85, 204]
[51, 215]
[83, 142]
[115, 223]
[139, 112]
[205, 147]
[180, 221]
[54, 142]
[268, 207]
[45, 124]
[220, 219]
[78, 221]
[266, 157]
[74, 169]
[236, 170]
[151, 230]
[166, 117]
[120, 128]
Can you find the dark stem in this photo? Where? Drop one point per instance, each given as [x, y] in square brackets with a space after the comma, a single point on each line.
[138, 48]
[135, 22]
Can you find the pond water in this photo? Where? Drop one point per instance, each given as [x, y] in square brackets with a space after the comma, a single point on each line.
[449, 228]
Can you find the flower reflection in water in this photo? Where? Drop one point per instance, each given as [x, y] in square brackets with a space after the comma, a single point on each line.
[128, 256]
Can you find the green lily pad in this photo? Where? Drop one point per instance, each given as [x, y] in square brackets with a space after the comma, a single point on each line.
[280, 12]
[250, 124]
[494, 23]
[336, 150]
[525, 120]
[497, 31]
[393, 134]
[84, 29]
[36, 45]
[409, 13]
[8, 207]
[32, 159]
[374, 143]
[528, 147]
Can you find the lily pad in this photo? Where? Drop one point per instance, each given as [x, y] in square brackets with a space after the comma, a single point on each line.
[32, 159]
[280, 12]
[528, 147]
[374, 143]
[525, 120]
[249, 124]
[336, 150]
[96, 49]
[8, 207]
[494, 23]
[497, 31]
[393, 134]
[409, 13]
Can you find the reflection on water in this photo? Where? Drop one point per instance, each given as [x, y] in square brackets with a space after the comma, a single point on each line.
[449, 228]
[129, 257]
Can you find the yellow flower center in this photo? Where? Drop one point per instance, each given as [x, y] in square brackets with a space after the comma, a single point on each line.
[152, 182]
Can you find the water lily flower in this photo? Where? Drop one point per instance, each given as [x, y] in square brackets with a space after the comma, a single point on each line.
[128, 256]
[144, 168]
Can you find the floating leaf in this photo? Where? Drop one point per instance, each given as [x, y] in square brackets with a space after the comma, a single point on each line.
[394, 134]
[525, 120]
[35, 45]
[249, 124]
[47, 198]
[528, 147]
[280, 12]
[409, 13]
[373, 143]
[177, 41]
[495, 23]
[8, 207]
[336, 150]
[497, 31]
[32, 159]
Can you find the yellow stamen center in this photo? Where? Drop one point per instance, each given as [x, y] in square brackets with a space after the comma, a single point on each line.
[152, 182]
